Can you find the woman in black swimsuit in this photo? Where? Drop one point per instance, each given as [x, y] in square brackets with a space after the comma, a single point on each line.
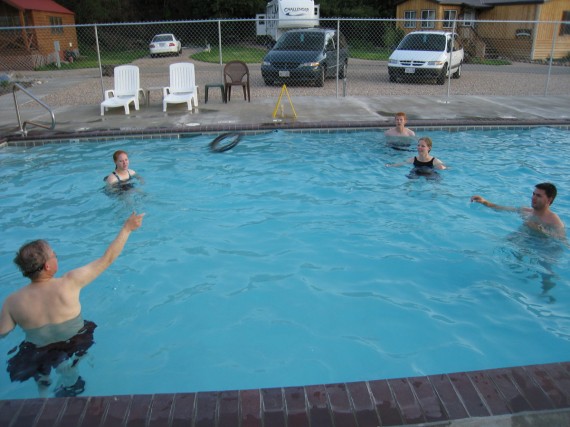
[424, 163]
[122, 174]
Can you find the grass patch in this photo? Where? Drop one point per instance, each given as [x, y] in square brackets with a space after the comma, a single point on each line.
[485, 61]
[88, 59]
[365, 53]
[249, 55]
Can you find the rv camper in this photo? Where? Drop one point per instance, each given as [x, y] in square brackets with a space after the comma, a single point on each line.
[283, 15]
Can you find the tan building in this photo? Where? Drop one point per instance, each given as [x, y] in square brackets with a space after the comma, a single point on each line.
[483, 38]
[30, 47]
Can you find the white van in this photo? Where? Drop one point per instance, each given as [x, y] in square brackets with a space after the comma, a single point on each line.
[426, 54]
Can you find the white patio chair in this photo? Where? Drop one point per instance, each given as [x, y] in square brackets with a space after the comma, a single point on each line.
[182, 86]
[127, 89]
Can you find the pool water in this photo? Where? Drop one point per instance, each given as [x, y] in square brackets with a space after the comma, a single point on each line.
[297, 258]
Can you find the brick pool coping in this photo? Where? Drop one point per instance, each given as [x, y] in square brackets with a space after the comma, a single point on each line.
[433, 399]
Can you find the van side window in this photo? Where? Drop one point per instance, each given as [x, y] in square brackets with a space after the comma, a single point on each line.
[330, 44]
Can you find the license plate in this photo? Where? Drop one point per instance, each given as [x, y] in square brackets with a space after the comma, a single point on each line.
[410, 70]
[162, 44]
[284, 74]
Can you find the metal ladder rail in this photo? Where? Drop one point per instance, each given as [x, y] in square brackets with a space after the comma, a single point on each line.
[29, 122]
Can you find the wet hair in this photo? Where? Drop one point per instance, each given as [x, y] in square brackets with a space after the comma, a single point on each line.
[32, 257]
[549, 190]
[400, 114]
[428, 141]
[117, 153]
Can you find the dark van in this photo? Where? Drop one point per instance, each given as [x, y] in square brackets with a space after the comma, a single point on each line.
[307, 55]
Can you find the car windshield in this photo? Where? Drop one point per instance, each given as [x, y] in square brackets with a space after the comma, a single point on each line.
[163, 38]
[300, 41]
[426, 42]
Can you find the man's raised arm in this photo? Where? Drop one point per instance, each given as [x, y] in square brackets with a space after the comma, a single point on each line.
[82, 276]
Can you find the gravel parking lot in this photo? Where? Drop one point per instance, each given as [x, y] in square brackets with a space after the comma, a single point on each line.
[364, 78]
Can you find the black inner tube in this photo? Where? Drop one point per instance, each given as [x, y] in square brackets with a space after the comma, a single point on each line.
[216, 145]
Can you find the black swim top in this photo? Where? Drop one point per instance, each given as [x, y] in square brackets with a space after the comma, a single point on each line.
[418, 163]
[119, 178]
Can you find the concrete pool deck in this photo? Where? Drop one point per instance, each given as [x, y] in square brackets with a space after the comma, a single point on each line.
[312, 112]
[537, 395]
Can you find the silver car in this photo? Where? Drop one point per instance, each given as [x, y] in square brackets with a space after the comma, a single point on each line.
[165, 44]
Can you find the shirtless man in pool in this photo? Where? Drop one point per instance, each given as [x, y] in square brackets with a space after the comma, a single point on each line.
[400, 120]
[539, 216]
[49, 311]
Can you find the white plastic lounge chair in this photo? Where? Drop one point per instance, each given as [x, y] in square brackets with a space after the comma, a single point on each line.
[127, 89]
[182, 86]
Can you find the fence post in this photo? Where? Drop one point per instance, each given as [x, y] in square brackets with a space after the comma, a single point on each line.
[450, 60]
[99, 60]
[220, 51]
[551, 58]
[337, 53]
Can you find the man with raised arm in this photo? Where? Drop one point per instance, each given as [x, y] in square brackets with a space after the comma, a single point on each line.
[539, 216]
[49, 312]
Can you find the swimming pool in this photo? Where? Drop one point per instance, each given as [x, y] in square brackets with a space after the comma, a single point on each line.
[297, 258]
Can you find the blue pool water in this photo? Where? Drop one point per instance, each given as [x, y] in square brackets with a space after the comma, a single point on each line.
[297, 259]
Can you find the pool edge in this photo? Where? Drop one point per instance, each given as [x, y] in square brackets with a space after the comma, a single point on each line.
[540, 393]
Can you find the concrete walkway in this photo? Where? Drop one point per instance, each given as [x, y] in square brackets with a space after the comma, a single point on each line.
[353, 111]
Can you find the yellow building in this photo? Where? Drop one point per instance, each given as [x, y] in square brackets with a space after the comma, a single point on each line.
[482, 36]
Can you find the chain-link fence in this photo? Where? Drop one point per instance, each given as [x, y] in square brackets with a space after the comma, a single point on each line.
[354, 57]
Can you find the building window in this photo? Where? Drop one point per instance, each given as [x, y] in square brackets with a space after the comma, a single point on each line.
[56, 24]
[468, 18]
[410, 19]
[565, 27]
[428, 17]
[448, 17]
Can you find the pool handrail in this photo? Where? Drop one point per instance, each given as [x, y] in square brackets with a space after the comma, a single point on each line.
[29, 122]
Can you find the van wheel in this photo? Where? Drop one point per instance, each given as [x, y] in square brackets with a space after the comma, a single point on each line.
[320, 80]
[342, 71]
[442, 75]
[457, 73]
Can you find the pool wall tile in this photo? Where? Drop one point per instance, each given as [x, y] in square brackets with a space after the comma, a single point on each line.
[406, 400]
[296, 407]
[469, 395]
[432, 407]
[117, 410]
[206, 407]
[386, 405]
[95, 411]
[139, 411]
[557, 396]
[160, 410]
[454, 407]
[250, 403]
[364, 409]
[273, 407]
[183, 405]
[24, 415]
[340, 406]
[488, 391]
[512, 395]
[51, 412]
[228, 409]
[536, 397]
[74, 411]
[318, 404]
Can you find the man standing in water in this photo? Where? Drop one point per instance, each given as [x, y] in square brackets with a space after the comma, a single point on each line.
[539, 216]
[49, 312]
[400, 120]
